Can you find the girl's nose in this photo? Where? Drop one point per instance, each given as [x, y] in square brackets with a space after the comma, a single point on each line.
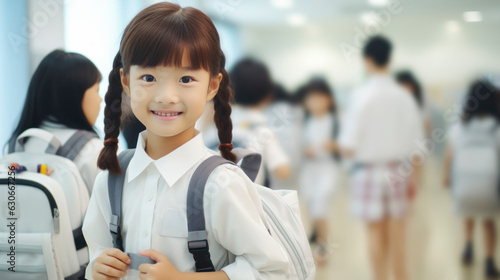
[167, 95]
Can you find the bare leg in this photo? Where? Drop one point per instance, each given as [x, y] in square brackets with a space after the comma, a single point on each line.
[469, 229]
[489, 237]
[321, 227]
[398, 249]
[377, 243]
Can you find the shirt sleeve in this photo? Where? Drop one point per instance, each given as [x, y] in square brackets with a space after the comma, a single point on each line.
[96, 223]
[236, 224]
[86, 161]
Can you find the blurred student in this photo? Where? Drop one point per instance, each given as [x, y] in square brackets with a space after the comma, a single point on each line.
[407, 80]
[382, 125]
[252, 94]
[472, 168]
[319, 173]
[285, 117]
[63, 97]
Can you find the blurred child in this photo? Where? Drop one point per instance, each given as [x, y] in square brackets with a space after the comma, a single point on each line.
[285, 118]
[319, 174]
[63, 98]
[382, 126]
[472, 168]
[407, 80]
[252, 93]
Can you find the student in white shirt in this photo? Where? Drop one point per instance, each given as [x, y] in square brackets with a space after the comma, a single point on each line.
[476, 193]
[170, 64]
[253, 89]
[380, 133]
[320, 170]
[63, 97]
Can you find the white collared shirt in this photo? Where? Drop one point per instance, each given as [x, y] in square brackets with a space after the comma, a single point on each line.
[250, 130]
[383, 122]
[154, 215]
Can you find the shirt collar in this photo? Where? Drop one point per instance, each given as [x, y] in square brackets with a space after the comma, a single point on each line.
[173, 165]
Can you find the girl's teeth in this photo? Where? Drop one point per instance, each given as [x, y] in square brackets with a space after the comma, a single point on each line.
[167, 114]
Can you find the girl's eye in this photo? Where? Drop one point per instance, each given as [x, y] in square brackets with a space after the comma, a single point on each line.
[148, 78]
[186, 80]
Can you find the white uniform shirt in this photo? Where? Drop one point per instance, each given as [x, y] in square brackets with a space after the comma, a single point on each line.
[85, 161]
[383, 122]
[250, 130]
[154, 215]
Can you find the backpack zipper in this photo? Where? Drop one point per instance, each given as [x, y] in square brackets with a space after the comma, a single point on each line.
[288, 239]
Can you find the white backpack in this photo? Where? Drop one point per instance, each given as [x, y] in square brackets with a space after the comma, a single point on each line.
[45, 212]
[280, 212]
[476, 169]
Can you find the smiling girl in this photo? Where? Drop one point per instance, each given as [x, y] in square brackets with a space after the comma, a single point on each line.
[170, 64]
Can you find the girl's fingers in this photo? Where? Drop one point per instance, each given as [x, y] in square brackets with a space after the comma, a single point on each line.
[113, 252]
[116, 263]
[109, 271]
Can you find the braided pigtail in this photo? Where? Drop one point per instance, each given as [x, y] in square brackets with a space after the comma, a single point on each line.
[222, 116]
[112, 117]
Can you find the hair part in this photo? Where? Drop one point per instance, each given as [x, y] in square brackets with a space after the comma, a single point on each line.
[167, 32]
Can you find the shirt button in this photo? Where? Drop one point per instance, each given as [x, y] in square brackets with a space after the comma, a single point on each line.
[145, 233]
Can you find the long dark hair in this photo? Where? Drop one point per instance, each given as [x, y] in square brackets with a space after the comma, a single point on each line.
[159, 35]
[406, 77]
[56, 90]
[482, 99]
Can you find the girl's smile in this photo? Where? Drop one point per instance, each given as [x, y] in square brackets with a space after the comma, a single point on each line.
[166, 115]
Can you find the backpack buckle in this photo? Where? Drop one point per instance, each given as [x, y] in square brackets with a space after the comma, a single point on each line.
[114, 228]
[198, 246]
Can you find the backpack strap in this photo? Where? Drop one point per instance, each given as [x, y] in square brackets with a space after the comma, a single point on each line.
[75, 143]
[115, 189]
[250, 162]
[18, 143]
[197, 234]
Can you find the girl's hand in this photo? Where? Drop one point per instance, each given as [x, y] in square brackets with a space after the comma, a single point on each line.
[310, 152]
[111, 264]
[331, 146]
[163, 269]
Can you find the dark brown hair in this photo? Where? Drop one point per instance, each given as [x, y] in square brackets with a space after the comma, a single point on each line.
[159, 35]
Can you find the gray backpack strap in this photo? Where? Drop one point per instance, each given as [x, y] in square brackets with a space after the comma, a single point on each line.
[75, 143]
[250, 162]
[197, 236]
[115, 189]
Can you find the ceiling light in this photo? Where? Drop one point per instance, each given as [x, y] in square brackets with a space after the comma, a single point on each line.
[296, 20]
[282, 3]
[378, 3]
[473, 16]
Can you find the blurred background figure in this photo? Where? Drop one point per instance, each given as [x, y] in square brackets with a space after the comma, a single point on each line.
[253, 89]
[380, 130]
[407, 80]
[319, 172]
[63, 98]
[472, 169]
[284, 116]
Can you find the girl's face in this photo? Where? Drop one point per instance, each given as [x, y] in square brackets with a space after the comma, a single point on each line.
[317, 103]
[169, 100]
[91, 103]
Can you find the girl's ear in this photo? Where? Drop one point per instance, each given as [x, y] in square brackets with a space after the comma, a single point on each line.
[213, 87]
[125, 82]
